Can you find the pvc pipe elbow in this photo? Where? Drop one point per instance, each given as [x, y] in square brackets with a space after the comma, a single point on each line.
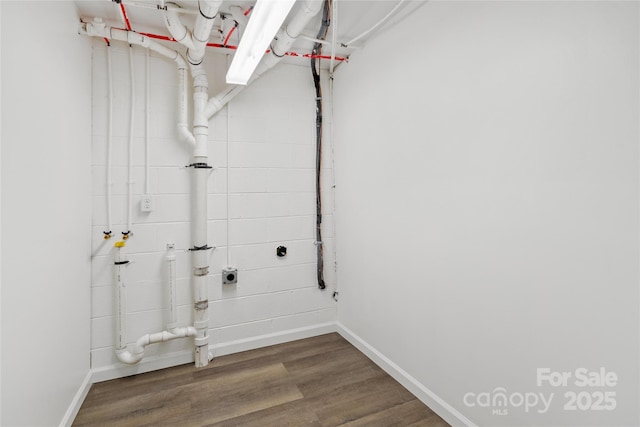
[125, 356]
[185, 134]
[177, 29]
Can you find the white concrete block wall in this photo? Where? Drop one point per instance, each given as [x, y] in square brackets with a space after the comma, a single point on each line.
[262, 148]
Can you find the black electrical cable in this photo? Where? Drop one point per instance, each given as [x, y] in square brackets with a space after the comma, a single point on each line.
[315, 72]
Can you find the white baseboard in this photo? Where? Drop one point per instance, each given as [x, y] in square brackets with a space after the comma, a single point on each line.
[153, 363]
[429, 398]
[76, 403]
[148, 364]
[272, 339]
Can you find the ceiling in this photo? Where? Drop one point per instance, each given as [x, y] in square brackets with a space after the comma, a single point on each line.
[353, 17]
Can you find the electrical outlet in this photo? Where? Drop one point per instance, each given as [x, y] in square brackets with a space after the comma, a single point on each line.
[146, 203]
[229, 276]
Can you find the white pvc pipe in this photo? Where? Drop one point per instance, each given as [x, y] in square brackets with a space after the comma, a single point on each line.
[120, 299]
[195, 54]
[109, 143]
[136, 351]
[281, 45]
[200, 263]
[200, 258]
[334, 34]
[202, 29]
[98, 29]
[169, 7]
[376, 25]
[183, 129]
[177, 29]
[146, 124]
[200, 120]
[131, 131]
[172, 320]
[195, 41]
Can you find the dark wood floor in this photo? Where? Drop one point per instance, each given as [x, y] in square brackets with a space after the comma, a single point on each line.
[320, 381]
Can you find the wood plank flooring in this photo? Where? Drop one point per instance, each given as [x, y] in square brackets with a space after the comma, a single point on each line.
[321, 381]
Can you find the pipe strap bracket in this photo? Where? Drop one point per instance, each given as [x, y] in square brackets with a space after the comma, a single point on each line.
[201, 325]
[201, 271]
[121, 262]
[201, 305]
[200, 166]
[201, 248]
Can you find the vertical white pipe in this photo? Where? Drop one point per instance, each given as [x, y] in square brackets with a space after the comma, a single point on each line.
[333, 189]
[109, 142]
[202, 30]
[120, 264]
[183, 129]
[131, 130]
[227, 186]
[200, 262]
[146, 124]
[172, 321]
[334, 34]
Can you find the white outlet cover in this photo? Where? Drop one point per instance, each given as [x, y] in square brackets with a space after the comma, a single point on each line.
[146, 203]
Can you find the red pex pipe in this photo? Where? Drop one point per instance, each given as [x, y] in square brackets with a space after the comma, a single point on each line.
[222, 46]
[126, 18]
[226, 40]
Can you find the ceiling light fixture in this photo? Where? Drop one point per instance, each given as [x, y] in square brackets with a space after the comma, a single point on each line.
[266, 19]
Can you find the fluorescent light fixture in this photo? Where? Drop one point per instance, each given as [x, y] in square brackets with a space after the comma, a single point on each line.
[266, 19]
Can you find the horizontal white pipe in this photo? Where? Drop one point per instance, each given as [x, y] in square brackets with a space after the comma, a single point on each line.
[281, 45]
[136, 353]
[97, 28]
[171, 8]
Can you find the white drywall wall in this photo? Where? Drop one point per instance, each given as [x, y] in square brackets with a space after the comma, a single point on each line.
[487, 202]
[46, 211]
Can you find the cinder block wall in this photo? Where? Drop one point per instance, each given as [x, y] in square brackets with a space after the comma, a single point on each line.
[261, 195]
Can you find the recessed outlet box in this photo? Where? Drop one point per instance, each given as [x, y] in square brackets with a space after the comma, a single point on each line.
[146, 203]
[229, 276]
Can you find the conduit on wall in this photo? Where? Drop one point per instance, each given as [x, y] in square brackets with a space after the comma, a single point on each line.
[315, 72]
[204, 109]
